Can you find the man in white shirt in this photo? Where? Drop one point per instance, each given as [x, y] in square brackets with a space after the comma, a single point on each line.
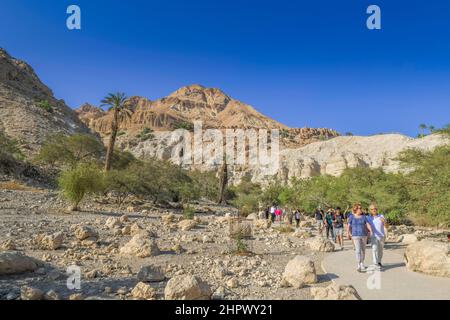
[378, 224]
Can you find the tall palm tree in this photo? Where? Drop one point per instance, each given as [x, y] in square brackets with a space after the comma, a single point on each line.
[422, 128]
[117, 103]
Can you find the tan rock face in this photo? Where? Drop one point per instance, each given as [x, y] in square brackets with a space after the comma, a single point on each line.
[429, 257]
[20, 116]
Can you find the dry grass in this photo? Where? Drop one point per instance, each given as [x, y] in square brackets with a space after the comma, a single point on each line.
[284, 229]
[16, 186]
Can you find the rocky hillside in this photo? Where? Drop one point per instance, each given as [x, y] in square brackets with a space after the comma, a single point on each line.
[212, 106]
[333, 156]
[28, 109]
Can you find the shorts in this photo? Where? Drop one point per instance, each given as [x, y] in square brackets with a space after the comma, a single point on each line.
[338, 231]
[319, 224]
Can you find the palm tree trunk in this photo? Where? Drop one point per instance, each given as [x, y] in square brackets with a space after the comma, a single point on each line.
[223, 182]
[112, 140]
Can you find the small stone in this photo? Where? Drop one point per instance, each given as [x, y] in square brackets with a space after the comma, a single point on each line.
[29, 293]
[76, 296]
[143, 291]
[151, 274]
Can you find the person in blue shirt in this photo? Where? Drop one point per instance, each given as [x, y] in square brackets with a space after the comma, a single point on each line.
[358, 229]
[378, 224]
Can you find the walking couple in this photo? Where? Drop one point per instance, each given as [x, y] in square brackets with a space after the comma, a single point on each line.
[360, 227]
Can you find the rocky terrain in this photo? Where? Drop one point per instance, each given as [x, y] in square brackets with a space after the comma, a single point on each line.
[145, 252]
[28, 110]
[116, 249]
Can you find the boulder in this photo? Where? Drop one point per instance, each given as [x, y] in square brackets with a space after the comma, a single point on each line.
[50, 241]
[168, 218]
[84, 232]
[407, 238]
[320, 244]
[262, 224]
[187, 224]
[16, 262]
[140, 246]
[429, 257]
[252, 216]
[187, 287]
[151, 274]
[299, 271]
[113, 222]
[335, 292]
[143, 291]
[29, 293]
[302, 234]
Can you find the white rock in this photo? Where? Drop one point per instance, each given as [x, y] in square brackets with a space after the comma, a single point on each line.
[187, 287]
[320, 244]
[300, 271]
[140, 246]
[335, 292]
[429, 257]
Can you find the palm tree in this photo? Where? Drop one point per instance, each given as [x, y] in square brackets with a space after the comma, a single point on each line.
[422, 128]
[117, 103]
[223, 181]
[432, 129]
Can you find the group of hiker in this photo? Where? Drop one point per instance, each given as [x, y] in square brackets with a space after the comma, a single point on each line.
[359, 225]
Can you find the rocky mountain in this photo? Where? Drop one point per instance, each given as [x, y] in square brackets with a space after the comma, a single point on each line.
[28, 110]
[186, 105]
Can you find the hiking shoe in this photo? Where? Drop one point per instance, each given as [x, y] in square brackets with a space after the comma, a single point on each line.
[362, 268]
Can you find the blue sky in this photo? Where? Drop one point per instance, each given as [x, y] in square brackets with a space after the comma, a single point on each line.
[303, 63]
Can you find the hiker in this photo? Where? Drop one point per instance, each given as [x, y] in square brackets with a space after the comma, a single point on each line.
[267, 213]
[329, 224]
[297, 218]
[272, 213]
[278, 214]
[378, 224]
[319, 221]
[338, 227]
[359, 228]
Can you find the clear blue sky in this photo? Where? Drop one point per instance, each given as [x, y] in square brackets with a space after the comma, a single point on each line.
[303, 63]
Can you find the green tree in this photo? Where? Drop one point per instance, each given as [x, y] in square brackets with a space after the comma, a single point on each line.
[117, 103]
[422, 128]
[77, 182]
[71, 150]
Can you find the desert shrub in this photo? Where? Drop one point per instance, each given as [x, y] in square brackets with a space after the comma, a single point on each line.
[122, 159]
[184, 125]
[120, 183]
[9, 148]
[146, 134]
[284, 229]
[71, 150]
[206, 183]
[82, 180]
[188, 212]
[246, 196]
[428, 185]
[45, 105]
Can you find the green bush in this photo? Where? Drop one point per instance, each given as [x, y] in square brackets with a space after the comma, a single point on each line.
[71, 150]
[146, 134]
[45, 105]
[120, 183]
[188, 212]
[9, 148]
[82, 180]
